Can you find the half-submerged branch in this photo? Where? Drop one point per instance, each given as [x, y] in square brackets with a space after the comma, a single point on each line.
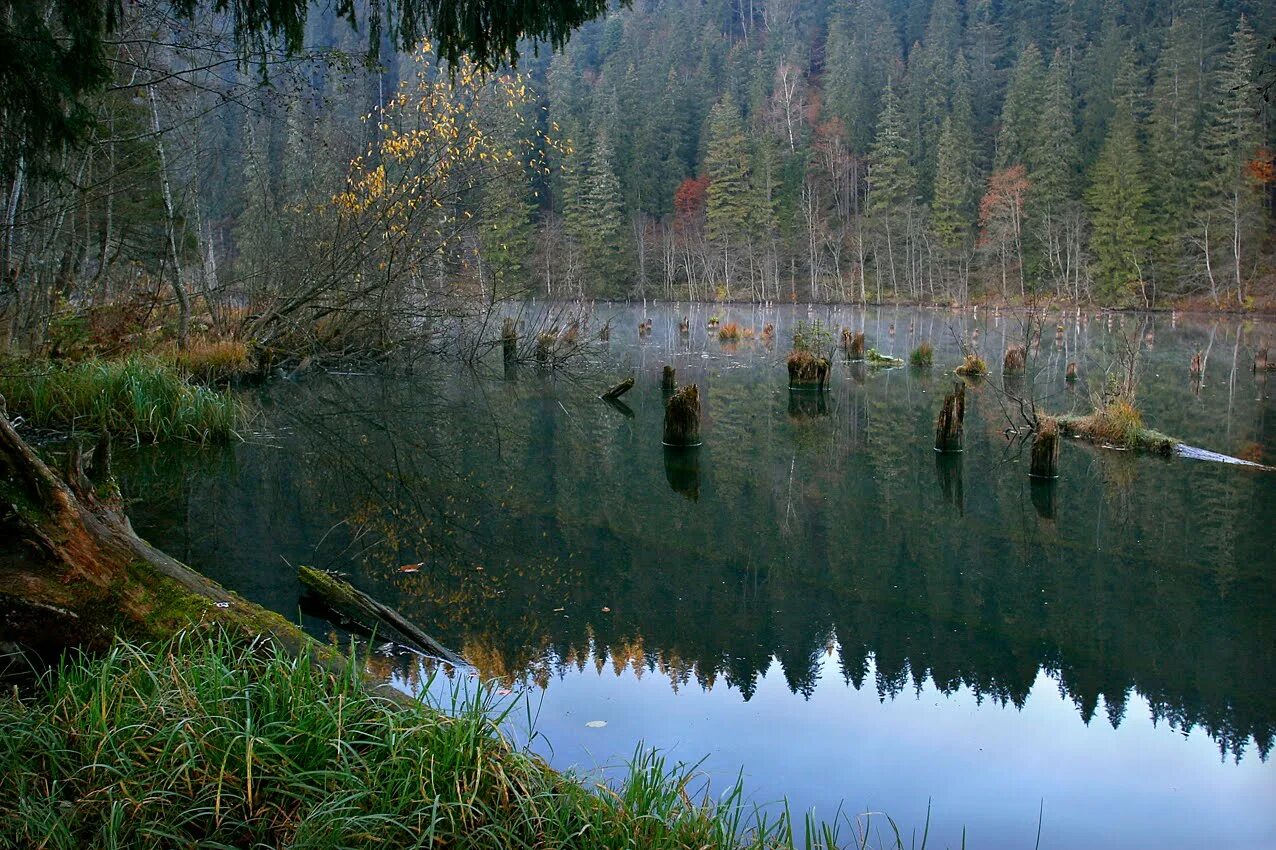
[351, 604]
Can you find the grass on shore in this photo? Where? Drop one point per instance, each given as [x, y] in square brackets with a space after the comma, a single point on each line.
[205, 741]
[143, 398]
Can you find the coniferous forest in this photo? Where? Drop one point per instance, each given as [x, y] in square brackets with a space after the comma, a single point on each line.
[927, 151]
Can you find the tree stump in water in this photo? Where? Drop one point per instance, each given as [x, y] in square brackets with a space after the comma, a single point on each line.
[948, 426]
[668, 379]
[1071, 375]
[948, 468]
[682, 471]
[1260, 360]
[509, 339]
[807, 371]
[682, 417]
[1045, 450]
[684, 326]
[1016, 360]
[1198, 362]
[853, 344]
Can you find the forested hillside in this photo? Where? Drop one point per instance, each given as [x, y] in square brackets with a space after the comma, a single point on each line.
[934, 151]
[930, 150]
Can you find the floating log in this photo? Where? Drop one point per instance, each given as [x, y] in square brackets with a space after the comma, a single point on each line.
[1016, 360]
[618, 390]
[948, 426]
[668, 379]
[1045, 450]
[355, 606]
[1071, 375]
[682, 417]
[509, 338]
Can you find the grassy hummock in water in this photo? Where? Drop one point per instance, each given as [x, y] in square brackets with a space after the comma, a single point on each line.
[205, 741]
[876, 358]
[922, 356]
[142, 398]
[1118, 423]
[972, 367]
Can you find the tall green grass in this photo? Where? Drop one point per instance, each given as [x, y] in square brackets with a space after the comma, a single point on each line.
[142, 398]
[207, 742]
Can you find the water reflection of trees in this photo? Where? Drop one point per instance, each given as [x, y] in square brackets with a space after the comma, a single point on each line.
[531, 509]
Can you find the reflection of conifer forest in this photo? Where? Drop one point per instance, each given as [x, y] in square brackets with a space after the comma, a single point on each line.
[531, 507]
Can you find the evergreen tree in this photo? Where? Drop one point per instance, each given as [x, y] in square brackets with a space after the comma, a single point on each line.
[729, 202]
[950, 215]
[606, 244]
[1021, 113]
[1118, 191]
[891, 178]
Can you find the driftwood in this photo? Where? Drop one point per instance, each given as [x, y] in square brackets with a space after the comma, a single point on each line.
[356, 607]
[618, 390]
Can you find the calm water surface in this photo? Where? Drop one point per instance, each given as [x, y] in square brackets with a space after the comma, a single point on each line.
[814, 597]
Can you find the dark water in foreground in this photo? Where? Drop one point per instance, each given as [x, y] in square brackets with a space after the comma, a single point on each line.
[815, 598]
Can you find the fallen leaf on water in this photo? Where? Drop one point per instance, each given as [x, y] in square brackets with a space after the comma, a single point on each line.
[596, 724]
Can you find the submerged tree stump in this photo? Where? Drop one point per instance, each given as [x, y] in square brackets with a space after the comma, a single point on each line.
[682, 471]
[509, 339]
[1260, 360]
[1045, 451]
[684, 326]
[682, 417]
[1197, 364]
[1071, 375]
[853, 344]
[952, 415]
[807, 371]
[1016, 360]
[668, 379]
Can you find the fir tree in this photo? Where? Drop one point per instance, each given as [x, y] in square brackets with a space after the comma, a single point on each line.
[1022, 110]
[1118, 191]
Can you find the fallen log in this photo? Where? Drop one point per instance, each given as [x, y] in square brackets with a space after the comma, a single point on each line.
[348, 602]
[73, 573]
[618, 390]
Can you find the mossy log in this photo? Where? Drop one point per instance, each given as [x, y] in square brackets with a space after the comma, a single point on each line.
[682, 417]
[352, 604]
[618, 390]
[952, 416]
[668, 379]
[73, 573]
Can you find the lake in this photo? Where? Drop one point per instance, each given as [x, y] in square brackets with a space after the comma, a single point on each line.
[814, 598]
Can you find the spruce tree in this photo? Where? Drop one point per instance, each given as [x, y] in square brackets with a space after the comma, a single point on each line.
[891, 177]
[1017, 138]
[1120, 235]
[728, 204]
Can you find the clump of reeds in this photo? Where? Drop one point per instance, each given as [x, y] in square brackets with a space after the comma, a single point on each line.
[807, 370]
[143, 398]
[730, 332]
[972, 367]
[923, 355]
[204, 741]
[213, 361]
[1016, 360]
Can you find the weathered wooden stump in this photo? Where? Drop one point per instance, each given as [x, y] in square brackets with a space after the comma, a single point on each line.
[952, 415]
[1071, 375]
[682, 417]
[684, 326]
[768, 333]
[1044, 463]
[1260, 360]
[1016, 360]
[807, 371]
[1197, 364]
[509, 339]
[853, 344]
[668, 379]
[545, 346]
